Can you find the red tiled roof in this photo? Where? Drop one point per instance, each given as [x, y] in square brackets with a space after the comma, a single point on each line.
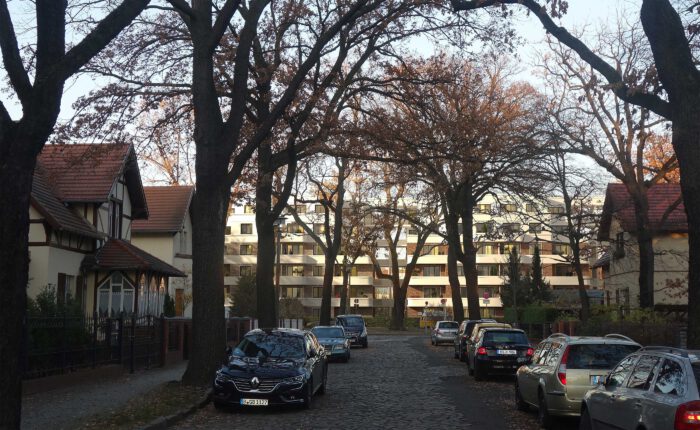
[55, 212]
[87, 172]
[167, 209]
[118, 254]
[618, 204]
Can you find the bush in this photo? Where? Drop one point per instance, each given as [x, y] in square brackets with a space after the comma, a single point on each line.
[643, 325]
[168, 306]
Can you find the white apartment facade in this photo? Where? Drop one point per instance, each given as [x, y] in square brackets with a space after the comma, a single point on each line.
[514, 225]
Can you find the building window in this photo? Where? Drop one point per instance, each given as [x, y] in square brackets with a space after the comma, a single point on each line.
[510, 227]
[509, 207]
[431, 292]
[246, 250]
[483, 208]
[487, 249]
[294, 228]
[228, 230]
[460, 271]
[412, 231]
[293, 292]
[246, 270]
[248, 209]
[433, 250]
[556, 209]
[115, 219]
[318, 270]
[382, 292]
[534, 227]
[292, 270]
[227, 270]
[246, 228]
[620, 244]
[317, 292]
[318, 250]
[319, 228]
[507, 247]
[487, 269]
[481, 227]
[319, 209]
[431, 270]
[300, 209]
[561, 249]
[560, 229]
[529, 207]
[115, 295]
[292, 248]
[563, 270]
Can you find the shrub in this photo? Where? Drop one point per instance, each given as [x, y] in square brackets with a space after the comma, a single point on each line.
[168, 306]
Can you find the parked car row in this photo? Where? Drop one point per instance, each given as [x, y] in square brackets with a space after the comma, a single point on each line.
[611, 381]
[281, 366]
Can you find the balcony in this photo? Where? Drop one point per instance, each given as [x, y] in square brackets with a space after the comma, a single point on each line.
[316, 302]
[430, 280]
[419, 302]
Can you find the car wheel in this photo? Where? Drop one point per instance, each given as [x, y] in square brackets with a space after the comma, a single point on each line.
[322, 388]
[543, 417]
[586, 422]
[309, 395]
[520, 404]
[478, 372]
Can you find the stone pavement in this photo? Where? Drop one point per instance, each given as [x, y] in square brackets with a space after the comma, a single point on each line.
[64, 408]
[399, 382]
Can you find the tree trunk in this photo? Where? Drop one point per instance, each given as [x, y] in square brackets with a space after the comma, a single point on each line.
[686, 129]
[582, 292]
[16, 174]
[399, 310]
[457, 306]
[344, 291]
[209, 209]
[646, 253]
[327, 295]
[267, 294]
[469, 260]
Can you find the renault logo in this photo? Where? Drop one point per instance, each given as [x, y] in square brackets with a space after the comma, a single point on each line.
[255, 382]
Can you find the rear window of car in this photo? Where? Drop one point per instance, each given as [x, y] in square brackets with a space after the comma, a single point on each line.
[597, 356]
[448, 325]
[504, 337]
[351, 321]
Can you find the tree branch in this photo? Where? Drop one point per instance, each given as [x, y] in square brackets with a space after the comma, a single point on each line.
[11, 56]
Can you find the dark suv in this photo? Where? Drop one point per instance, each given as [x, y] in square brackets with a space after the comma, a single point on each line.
[498, 351]
[463, 333]
[272, 367]
[355, 328]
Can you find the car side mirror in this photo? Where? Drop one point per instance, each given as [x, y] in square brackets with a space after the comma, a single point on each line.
[606, 380]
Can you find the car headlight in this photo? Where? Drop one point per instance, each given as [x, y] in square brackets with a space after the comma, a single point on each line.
[294, 380]
[222, 378]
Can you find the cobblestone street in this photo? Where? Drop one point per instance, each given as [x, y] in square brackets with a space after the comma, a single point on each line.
[400, 381]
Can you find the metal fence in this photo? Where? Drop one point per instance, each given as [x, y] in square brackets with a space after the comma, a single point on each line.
[64, 344]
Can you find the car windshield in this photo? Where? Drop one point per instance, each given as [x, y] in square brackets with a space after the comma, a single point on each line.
[597, 356]
[270, 346]
[327, 332]
[492, 338]
[351, 321]
[448, 325]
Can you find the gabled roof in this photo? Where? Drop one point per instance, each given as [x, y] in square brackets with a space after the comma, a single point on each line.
[618, 204]
[118, 254]
[87, 172]
[167, 209]
[56, 213]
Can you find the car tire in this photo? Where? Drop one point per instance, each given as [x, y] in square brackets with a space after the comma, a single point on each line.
[322, 389]
[478, 372]
[543, 417]
[309, 395]
[520, 404]
[456, 354]
[586, 422]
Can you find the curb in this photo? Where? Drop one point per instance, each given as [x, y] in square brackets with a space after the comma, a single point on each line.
[167, 421]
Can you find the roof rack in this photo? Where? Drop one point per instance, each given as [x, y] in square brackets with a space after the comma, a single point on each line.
[678, 351]
[559, 335]
[618, 336]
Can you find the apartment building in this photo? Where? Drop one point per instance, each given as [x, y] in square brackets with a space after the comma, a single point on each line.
[499, 225]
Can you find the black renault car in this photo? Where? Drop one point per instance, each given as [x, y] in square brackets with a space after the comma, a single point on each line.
[272, 367]
[498, 351]
[355, 328]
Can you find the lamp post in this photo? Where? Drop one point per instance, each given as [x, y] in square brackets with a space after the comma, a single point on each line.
[279, 222]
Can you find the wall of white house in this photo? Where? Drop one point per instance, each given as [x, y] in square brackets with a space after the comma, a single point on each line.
[47, 262]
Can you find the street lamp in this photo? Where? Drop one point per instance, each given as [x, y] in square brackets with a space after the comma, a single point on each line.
[279, 222]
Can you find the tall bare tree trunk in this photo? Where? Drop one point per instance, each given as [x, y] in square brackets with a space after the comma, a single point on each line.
[398, 312]
[327, 293]
[344, 305]
[582, 292]
[467, 204]
[457, 306]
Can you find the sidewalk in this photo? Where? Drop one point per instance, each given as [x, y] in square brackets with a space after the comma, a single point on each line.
[64, 408]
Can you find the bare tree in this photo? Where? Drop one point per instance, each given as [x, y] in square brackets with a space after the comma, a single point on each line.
[37, 74]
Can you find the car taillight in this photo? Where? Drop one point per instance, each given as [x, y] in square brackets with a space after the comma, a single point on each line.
[687, 416]
[530, 352]
[481, 351]
[561, 372]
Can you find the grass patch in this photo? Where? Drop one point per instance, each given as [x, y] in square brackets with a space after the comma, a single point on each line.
[166, 399]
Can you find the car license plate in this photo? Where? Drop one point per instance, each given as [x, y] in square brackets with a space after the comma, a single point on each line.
[596, 379]
[506, 352]
[254, 402]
